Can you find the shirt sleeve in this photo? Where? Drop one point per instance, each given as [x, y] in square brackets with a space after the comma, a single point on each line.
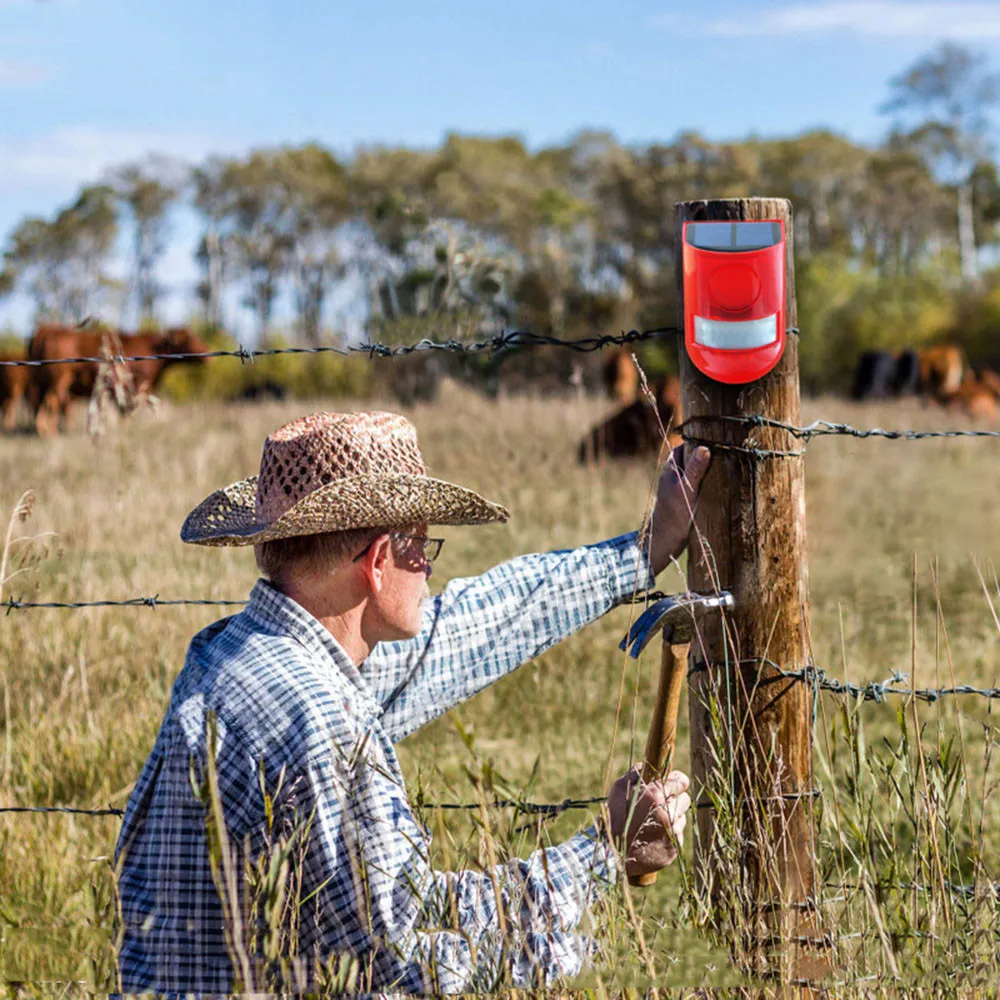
[374, 895]
[481, 628]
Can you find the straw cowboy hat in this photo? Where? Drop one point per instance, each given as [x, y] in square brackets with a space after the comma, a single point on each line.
[334, 472]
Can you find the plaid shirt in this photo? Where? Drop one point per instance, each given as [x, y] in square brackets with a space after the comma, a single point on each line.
[296, 717]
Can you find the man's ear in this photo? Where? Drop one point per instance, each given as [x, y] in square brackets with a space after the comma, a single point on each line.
[375, 562]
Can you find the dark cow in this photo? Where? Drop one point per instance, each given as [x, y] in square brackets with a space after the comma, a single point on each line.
[264, 392]
[58, 384]
[634, 429]
[906, 381]
[883, 375]
[874, 376]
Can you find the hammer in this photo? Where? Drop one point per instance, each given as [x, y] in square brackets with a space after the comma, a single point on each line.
[676, 617]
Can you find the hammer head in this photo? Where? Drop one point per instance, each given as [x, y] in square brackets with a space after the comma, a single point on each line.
[675, 616]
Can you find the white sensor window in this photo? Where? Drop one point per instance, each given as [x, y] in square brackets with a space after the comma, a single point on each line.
[741, 335]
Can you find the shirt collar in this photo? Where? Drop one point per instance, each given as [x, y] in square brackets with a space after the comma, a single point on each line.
[276, 612]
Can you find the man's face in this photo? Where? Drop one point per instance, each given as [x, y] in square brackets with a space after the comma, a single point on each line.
[405, 588]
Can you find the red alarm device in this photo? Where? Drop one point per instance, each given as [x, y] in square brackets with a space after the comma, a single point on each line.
[734, 298]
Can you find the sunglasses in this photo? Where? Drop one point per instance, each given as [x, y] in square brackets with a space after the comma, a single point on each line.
[431, 546]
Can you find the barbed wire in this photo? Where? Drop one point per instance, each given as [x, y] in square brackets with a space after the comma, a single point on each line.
[68, 810]
[967, 890]
[758, 453]
[155, 601]
[811, 674]
[492, 345]
[529, 808]
[824, 428]
[522, 338]
[876, 691]
[14, 604]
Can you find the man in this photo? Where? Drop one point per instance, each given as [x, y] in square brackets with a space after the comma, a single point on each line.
[339, 654]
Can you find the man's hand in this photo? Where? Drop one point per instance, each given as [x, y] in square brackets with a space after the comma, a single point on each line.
[673, 512]
[648, 819]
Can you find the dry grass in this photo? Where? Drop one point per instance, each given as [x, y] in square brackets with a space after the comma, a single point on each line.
[82, 692]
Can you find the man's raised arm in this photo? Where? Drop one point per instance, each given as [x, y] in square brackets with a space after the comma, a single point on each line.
[481, 628]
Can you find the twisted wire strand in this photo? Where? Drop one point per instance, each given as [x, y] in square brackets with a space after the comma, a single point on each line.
[155, 601]
[533, 808]
[876, 691]
[492, 345]
[827, 428]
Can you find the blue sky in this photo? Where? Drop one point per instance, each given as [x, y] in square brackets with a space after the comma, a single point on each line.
[86, 84]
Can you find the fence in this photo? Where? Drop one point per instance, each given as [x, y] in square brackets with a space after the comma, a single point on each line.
[815, 678]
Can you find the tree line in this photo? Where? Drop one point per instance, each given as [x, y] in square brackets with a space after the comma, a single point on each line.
[482, 232]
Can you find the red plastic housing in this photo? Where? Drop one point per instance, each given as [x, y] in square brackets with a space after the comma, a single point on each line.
[734, 297]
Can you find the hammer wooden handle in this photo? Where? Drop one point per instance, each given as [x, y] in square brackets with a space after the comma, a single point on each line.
[663, 727]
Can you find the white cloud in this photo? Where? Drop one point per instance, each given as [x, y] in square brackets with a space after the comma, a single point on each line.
[16, 74]
[875, 19]
[73, 155]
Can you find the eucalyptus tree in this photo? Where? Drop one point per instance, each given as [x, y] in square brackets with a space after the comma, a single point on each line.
[952, 93]
[316, 192]
[148, 190]
[214, 198]
[32, 263]
[389, 191]
[823, 175]
[258, 229]
[520, 202]
[62, 263]
[902, 212]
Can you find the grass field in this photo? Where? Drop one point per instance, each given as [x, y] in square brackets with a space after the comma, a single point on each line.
[82, 693]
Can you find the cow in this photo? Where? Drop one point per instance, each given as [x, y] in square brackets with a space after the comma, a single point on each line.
[15, 388]
[991, 380]
[634, 430]
[942, 371]
[264, 392]
[976, 397]
[620, 377]
[935, 371]
[58, 384]
[875, 376]
[906, 379]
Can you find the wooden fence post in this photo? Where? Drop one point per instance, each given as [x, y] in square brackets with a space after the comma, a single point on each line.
[751, 734]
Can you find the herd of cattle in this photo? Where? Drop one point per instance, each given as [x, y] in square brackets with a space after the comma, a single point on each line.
[48, 390]
[940, 374]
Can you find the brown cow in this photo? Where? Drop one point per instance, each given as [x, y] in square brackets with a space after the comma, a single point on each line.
[15, 388]
[58, 384]
[991, 380]
[976, 397]
[942, 369]
[620, 377]
[634, 430]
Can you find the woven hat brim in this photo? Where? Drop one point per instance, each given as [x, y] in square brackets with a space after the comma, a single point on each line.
[228, 516]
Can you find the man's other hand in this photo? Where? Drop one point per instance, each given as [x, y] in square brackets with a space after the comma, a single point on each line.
[648, 819]
[673, 512]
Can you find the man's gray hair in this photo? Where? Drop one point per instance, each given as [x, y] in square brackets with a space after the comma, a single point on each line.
[312, 552]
